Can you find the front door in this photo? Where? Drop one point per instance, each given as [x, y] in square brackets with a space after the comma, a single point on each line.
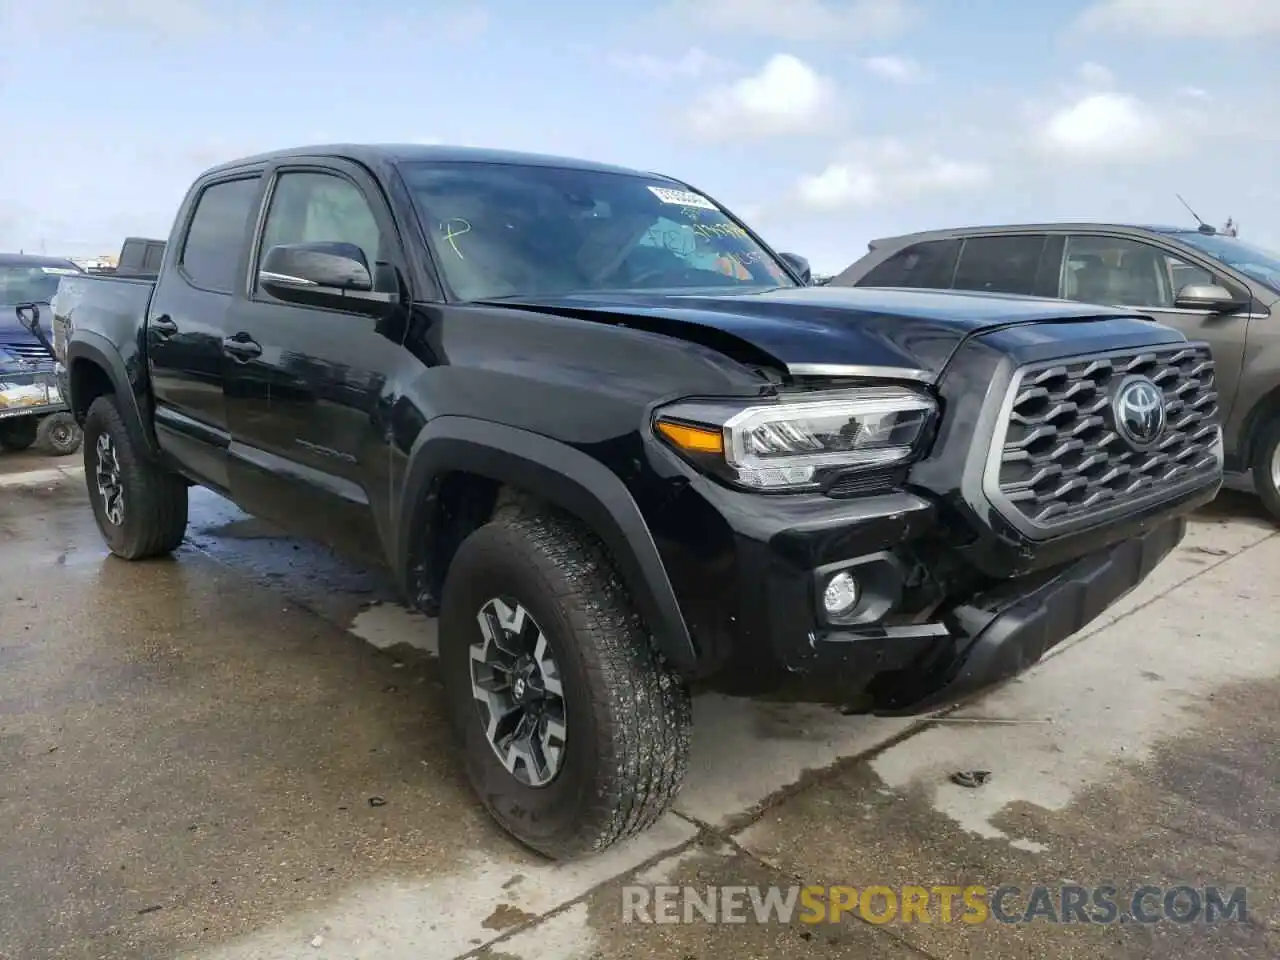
[309, 389]
[1125, 272]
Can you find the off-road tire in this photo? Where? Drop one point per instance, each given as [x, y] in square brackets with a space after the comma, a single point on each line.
[155, 500]
[58, 434]
[628, 719]
[17, 433]
[1264, 481]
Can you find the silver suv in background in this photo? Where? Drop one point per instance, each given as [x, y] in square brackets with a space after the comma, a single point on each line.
[1214, 288]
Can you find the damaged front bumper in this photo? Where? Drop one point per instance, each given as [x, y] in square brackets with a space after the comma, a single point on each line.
[1001, 633]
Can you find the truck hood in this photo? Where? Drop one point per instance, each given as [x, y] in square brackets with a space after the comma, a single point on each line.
[804, 326]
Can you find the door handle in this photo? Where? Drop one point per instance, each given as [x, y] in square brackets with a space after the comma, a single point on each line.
[164, 325]
[242, 347]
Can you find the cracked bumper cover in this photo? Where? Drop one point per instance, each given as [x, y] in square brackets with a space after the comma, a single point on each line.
[999, 634]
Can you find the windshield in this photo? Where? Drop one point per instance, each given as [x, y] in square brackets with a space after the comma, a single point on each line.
[1249, 260]
[507, 230]
[28, 283]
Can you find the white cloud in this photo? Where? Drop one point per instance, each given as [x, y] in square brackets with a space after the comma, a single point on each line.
[170, 19]
[787, 97]
[1095, 75]
[897, 69]
[801, 20]
[1103, 127]
[694, 62]
[1196, 19]
[882, 171]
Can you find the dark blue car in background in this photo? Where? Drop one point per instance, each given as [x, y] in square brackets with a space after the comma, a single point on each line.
[31, 407]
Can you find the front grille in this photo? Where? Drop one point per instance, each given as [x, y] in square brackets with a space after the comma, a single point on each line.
[26, 350]
[1062, 458]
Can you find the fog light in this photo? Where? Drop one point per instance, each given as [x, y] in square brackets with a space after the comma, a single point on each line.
[841, 595]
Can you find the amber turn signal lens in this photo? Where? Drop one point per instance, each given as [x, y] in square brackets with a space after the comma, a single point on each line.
[692, 439]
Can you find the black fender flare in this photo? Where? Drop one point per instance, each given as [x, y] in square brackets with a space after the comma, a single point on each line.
[98, 350]
[561, 475]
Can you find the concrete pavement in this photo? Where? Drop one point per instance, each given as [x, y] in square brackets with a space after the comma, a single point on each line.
[241, 753]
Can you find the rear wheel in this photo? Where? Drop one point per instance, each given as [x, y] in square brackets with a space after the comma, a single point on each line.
[140, 508]
[17, 433]
[1266, 468]
[575, 734]
[58, 434]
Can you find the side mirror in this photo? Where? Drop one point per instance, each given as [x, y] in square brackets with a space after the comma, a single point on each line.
[1207, 296]
[800, 265]
[332, 275]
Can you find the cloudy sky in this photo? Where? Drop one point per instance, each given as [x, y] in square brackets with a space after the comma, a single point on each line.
[825, 122]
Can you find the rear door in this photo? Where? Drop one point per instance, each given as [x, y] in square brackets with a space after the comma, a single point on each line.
[187, 321]
[309, 389]
[1128, 272]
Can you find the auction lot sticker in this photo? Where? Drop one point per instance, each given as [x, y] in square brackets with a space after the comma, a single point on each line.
[682, 197]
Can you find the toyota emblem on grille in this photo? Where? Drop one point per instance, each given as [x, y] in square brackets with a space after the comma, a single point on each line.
[1139, 411]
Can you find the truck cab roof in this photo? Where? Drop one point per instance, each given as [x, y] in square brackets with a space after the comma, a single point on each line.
[392, 154]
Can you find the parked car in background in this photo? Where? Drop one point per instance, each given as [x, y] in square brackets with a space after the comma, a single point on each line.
[32, 409]
[1213, 287]
[613, 466]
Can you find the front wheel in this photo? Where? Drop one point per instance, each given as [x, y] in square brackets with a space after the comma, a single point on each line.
[140, 508]
[58, 434]
[17, 433]
[575, 734]
[1266, 468]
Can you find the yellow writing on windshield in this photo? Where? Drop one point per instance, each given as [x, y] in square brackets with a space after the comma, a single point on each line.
[719, 231]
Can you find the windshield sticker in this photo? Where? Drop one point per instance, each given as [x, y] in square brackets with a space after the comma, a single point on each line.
[682, 197]
[719, 231]
[60, 271]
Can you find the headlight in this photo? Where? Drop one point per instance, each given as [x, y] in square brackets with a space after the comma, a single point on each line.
[794, 444]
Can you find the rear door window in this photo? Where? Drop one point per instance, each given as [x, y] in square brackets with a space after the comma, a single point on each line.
[1004, 264]
[218, 234]
[929, 264]
[153, 258]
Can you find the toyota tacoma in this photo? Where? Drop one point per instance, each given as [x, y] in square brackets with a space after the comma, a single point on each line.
[620, 447]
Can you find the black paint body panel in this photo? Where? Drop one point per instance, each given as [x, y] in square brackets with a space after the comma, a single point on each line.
[349, 427]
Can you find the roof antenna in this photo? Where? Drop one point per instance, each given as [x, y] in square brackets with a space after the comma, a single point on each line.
[1204, 227]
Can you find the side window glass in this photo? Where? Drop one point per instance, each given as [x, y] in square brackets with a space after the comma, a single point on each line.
[1124, 272]
[151, 260]
[216, 238]
[1182, 274]
[1005, 264]
[928, 264]
[320, 207]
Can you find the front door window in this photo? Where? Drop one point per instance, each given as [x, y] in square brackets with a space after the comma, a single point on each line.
[1127, 273]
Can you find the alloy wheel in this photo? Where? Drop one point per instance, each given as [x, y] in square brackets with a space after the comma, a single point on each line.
[515, 681]
[107, 475]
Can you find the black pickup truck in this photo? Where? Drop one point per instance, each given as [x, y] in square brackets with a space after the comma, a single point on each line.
[621, 447]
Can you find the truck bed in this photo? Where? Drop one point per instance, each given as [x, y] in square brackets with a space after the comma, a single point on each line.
[104, 302]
